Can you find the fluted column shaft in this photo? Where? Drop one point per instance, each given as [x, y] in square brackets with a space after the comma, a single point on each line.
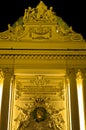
[1, 89]
[5, 98]
[84, 92]
[73, 99]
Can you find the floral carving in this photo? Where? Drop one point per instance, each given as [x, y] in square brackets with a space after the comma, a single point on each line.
[39, 80]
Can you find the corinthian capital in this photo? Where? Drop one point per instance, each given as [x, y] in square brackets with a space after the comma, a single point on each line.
[71, 72]
[8, 72]
[83, 72]
[1, 74]
[79, 74]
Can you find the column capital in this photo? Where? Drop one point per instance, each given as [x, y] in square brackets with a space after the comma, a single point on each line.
[7, 72]
[83, 70]
[79, 74]
[71, 73]
[1, 74]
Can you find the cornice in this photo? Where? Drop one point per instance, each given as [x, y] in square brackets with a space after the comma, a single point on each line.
[42, 45]
[43, 51]
[43, 54]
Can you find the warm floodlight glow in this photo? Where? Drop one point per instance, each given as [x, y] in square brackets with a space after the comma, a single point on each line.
[10, 99]
[57, 30]
[0, 96]
[1, 88]
[69, 102]
[80, 102]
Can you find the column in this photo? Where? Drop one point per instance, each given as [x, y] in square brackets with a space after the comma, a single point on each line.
[5, 98]
[84, 92]
[73, 99]
[1, 90]
[79, 80]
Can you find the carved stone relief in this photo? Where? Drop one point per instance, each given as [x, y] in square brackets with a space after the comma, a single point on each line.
[40, 23]
[39, 103]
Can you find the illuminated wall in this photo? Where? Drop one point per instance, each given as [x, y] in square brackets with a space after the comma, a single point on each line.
[41, 50]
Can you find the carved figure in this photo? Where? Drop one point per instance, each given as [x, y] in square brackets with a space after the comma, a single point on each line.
[57, 122]
[30, 13]
[33, 14]
[18, 28]
[25, 14]
[10, 28]
[41, 8]
[50, 14]
[39, 114]
[29, 10]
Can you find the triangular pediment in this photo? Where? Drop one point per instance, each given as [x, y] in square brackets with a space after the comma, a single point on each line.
[40, 23]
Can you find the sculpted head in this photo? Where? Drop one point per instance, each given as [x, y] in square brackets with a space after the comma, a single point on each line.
[41, 2]
[29, 8]
[51, 8]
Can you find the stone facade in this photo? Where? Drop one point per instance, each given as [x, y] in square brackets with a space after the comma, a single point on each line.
[42, 52]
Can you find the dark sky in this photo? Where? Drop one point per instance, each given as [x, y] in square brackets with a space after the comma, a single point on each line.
[73, 12]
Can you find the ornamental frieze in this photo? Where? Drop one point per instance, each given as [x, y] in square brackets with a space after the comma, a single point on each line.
[42, 57]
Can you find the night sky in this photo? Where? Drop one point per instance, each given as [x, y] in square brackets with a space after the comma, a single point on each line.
[73, 12]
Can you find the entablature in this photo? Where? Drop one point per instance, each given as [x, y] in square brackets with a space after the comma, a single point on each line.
[53, 44]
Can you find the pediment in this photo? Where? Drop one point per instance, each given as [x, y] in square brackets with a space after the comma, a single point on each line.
[40, 24]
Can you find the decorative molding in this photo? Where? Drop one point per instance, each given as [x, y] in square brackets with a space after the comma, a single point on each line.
[40, 23]
[43, 56]
[39, 80]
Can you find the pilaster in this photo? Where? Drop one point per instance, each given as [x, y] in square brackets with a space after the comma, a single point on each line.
[5, 98]
[84, 91]
[73, 99]
[1, 89]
